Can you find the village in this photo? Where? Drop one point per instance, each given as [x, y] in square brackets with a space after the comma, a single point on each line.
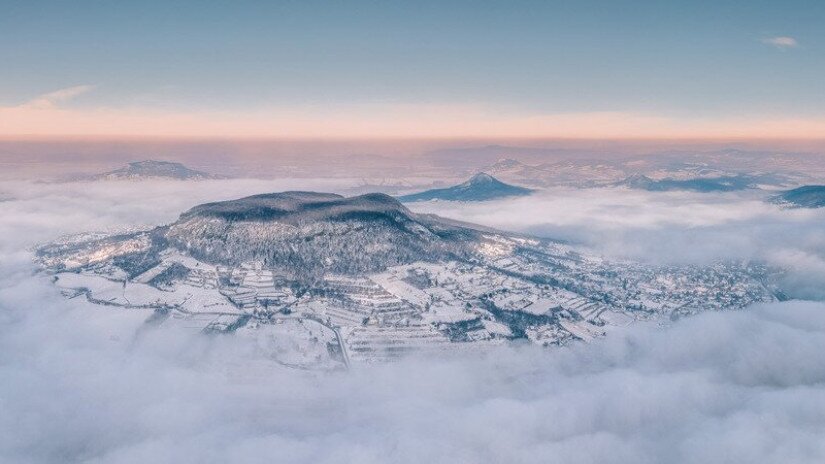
[551, 299]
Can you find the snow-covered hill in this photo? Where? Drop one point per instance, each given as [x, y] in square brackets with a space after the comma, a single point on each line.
[150, 169]
[808, 196]
[363, 278]
[480, 187]
[313, 233]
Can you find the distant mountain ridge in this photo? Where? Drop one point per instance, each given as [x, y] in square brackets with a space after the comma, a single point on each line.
[151, 169]
[654, 173]
[701, 184]
[480, 187]
[808, 196]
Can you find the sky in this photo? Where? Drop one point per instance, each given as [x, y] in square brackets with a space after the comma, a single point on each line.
[584, 69]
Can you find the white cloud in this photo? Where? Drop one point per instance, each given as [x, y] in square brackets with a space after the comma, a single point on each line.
[665, 227]
[52, 99]
[781, 42]
[80, 384]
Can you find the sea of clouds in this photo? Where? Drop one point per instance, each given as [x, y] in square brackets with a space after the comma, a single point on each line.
[666, 227]
[83, 383]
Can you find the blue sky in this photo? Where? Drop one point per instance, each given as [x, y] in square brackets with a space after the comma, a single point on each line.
[698, 60]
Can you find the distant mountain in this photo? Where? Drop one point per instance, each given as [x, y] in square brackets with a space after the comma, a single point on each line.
[476, 157]
[508, 164]
[576, 172]
[636, 181]
[808, 196]
[515, 171]
[151, 169]
[680, 171]
[480, 187]
[702, 184]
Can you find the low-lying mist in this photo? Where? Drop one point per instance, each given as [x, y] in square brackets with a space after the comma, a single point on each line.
[86, 383]
[666, 227]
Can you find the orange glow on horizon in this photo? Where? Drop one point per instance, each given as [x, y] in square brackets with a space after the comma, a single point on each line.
[388, 122]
